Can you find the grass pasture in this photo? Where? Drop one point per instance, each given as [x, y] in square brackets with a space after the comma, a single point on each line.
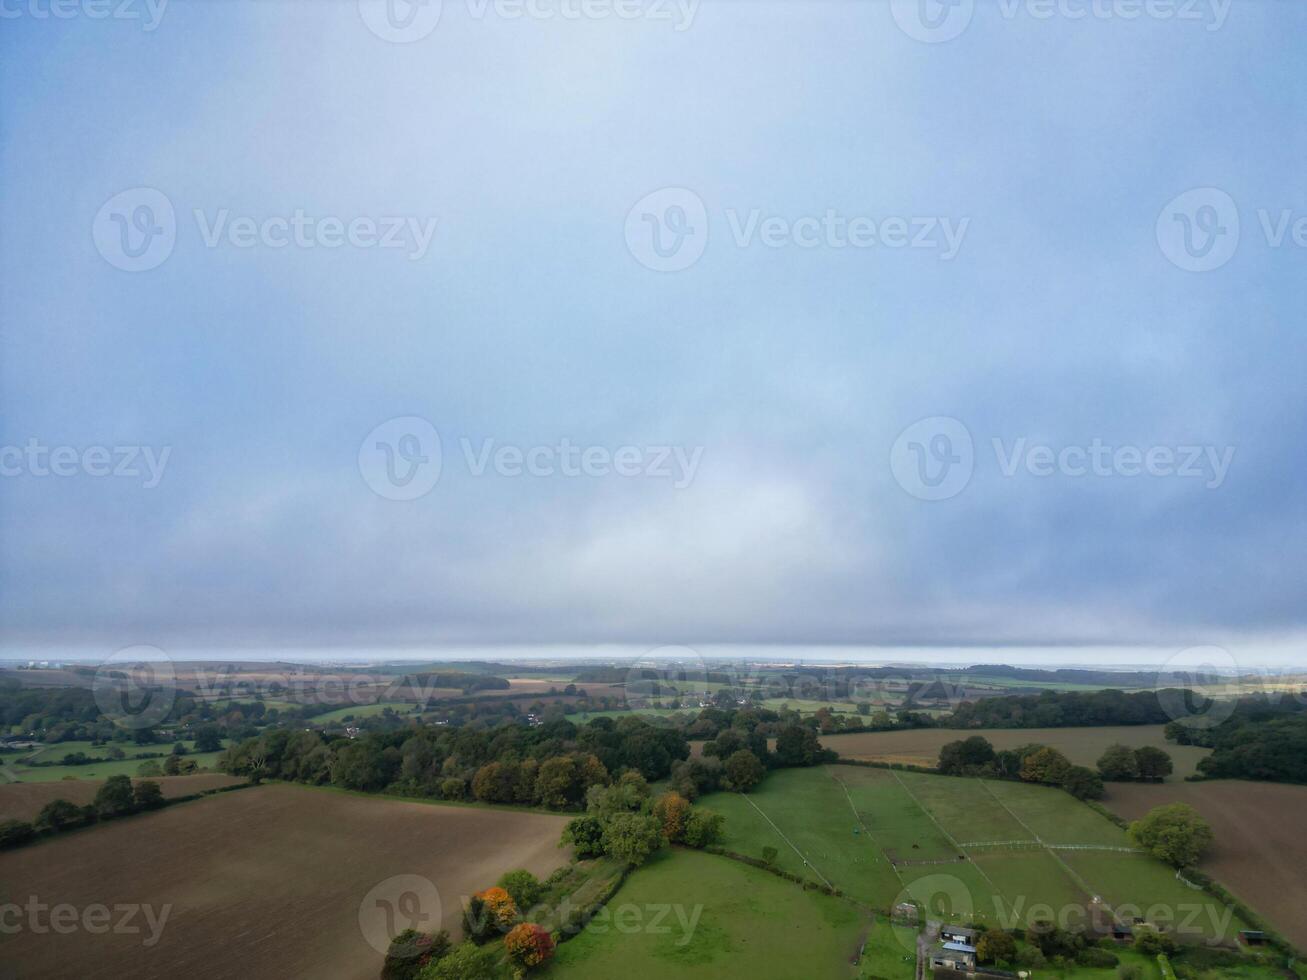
[726, 919]
[96, 770]
[270, 882]
[1005, 853]
[1083, 746]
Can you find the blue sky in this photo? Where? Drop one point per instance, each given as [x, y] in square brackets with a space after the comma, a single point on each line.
[1052, 146]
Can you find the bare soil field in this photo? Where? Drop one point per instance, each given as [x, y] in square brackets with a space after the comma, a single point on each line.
[1082, 746]
[23, 801]
[1260, 849]
[271, 882]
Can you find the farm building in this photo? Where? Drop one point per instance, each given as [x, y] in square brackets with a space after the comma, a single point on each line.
[953, 956]
[958, 934]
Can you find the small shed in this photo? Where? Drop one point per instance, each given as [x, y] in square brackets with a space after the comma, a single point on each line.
[958, 934]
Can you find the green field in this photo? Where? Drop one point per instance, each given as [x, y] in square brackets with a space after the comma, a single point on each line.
[749, 924]
[96, 770]
[333, 715]
[999, 852]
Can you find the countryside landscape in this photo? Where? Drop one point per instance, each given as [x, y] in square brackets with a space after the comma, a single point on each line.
[583, 820]
[653, 490]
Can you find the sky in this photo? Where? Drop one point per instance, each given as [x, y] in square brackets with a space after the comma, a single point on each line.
[333, 325]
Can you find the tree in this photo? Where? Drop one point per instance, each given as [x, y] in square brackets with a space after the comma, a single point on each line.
[489, 912]
[1174, 833]
[147, 796]
[1083, 783]
[797, 746]
[769, 854]
[208, 738]
[957, 758]
[703, 827]
[410, 951]
[1045, 765]
[452, 789]
[586, 834]
[1118, 764]
[115, 797]
[150, 767]
[671, 811]
[178, 748]
[743, 771]
[522, 886]
[632, 837]
[1154, 764]
[528, 945]
[996, 946]
[15, 832]
[58, 814]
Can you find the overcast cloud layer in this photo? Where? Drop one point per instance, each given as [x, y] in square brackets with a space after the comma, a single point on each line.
[784, 370]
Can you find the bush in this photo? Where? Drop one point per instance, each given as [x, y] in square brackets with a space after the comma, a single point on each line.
[703, 827]
[523, 887]
[147, 796]
[769, 854]
[528, 945]
[1032, 957]
[1097, 958]
[466, 961]
[58, 814]
[586, 835]
[410, 951]
[1128, 971]
[15, 832]
[452, 789]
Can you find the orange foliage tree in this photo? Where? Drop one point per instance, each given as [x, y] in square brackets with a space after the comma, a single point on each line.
[528, 946]
[672, 811]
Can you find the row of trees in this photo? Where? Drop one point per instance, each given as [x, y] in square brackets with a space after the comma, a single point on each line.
[624, 822]
[117, 797]
[1122, 764]
[1034, 763]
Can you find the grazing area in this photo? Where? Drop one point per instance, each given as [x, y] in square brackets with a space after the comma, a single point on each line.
[101, 770]
[722, 918]
[262, 883]
[1260, 849]
[1083, 746]
[23, 801]
[988, 850]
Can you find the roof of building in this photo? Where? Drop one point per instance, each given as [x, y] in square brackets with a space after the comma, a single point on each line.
[958, 947]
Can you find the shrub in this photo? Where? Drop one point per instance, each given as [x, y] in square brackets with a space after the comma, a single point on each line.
[452, 789]
[672, 811]
[586, 835]
[1097, 958]
[1128, 971]
[58, 814]
[410, 951]
[466, 961]
[703, 827]
[523, 887]
[528, 945]
[769, 854]
[147, 796]
[15, 832]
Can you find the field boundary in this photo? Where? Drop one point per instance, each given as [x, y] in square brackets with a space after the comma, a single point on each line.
[920, 806]
[861, 823]
[806, 862]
